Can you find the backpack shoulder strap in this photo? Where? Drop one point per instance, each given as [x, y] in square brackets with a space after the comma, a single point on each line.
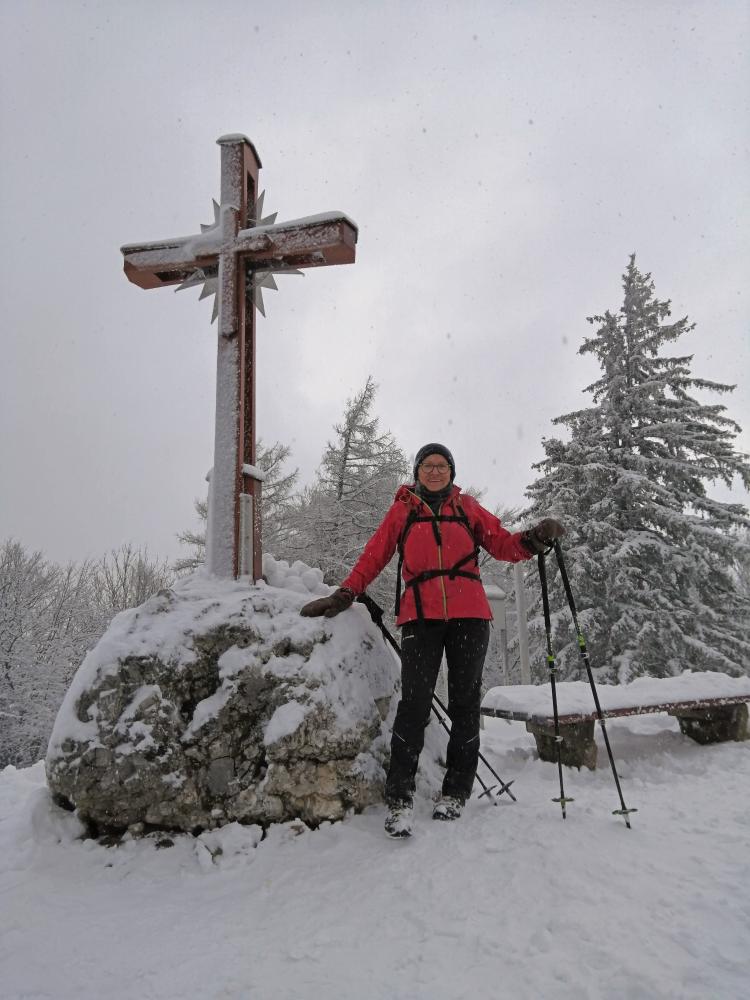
[411, 517]
[463, 519]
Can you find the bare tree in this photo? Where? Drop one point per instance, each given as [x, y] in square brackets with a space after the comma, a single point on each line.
[47, 623]
[126, 577]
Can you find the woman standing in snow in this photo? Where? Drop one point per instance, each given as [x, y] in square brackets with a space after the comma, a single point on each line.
[437, 530]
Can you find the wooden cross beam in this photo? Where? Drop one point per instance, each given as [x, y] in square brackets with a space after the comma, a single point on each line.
[230, 255]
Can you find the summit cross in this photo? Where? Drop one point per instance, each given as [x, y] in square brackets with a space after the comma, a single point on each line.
[236, 257]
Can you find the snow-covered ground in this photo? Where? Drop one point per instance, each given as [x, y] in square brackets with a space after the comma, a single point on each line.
[507, 902]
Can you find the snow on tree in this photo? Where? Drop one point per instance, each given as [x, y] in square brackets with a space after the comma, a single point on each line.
[125, 578]
[276, 497]
[360, 471]
[196, 539]
[46, 626]
[50, 616]
[743, 565]
[653, 558]
[276, 506]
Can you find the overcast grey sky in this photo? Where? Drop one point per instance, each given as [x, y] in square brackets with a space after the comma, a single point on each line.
[501, 159]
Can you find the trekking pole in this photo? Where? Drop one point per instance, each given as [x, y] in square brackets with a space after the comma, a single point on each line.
[487, 789]
[439, 716]
[623, 810]
[551, 664]
[504, 786]
[376, 613]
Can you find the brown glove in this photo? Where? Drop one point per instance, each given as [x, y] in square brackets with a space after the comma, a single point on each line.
[339, 600]
[541, 536]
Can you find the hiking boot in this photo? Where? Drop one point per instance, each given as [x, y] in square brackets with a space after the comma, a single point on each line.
[448, 807]
[398, 819]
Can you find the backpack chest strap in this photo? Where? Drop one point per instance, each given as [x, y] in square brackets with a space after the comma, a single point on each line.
[430, 574]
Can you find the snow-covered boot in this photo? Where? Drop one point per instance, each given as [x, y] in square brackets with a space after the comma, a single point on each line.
[448, 807]
[399, 818]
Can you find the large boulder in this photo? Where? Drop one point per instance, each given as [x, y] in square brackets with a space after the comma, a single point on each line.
[216, 702]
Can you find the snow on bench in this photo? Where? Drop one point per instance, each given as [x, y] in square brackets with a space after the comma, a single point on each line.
[710, 707]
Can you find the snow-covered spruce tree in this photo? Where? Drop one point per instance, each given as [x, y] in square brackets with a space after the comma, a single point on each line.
[743, 566]
[651, 556]
[277, 502]
[356, 481]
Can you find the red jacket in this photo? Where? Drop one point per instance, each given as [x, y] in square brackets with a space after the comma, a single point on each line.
[440, 596]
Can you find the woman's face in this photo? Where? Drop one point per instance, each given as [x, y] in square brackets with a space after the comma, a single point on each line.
[434, 472]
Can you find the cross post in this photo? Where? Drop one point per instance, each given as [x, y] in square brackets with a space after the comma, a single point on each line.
[236, 257]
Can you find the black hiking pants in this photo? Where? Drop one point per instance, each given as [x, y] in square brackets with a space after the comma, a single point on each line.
[464, 641]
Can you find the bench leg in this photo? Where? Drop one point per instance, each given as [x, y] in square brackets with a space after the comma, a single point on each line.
[577, 749]
[717, 724]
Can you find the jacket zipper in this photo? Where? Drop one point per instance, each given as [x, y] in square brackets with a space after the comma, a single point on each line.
[442, 579]
[440, 560]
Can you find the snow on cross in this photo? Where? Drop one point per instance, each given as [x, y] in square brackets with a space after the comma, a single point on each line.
[238, 243]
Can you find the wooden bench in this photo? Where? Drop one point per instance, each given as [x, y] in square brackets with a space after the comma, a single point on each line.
[709, 707]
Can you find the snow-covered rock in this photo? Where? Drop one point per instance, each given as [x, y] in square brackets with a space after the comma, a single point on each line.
[215, 702]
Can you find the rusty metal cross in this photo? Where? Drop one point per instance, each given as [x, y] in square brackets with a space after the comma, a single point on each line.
[230, 256]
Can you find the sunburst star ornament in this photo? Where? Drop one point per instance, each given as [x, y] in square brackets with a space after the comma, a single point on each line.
[256, 280]
[260, 219]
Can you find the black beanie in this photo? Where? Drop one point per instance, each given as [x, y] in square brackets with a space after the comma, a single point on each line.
[434, 449]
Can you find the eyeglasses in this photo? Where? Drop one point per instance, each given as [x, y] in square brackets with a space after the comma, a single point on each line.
[428, 467]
